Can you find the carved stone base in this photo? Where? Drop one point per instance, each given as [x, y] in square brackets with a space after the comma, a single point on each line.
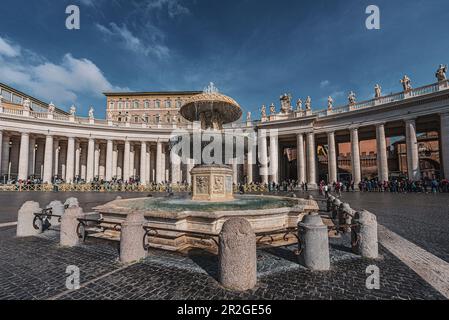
[212, 183]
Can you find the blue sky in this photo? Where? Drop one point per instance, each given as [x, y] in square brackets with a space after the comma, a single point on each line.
[253, 50]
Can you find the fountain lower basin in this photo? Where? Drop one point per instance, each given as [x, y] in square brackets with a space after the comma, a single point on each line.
[181, 222]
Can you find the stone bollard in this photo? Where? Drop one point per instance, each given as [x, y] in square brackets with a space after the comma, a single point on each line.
[329, 203]
[57, 209]
[131, 238]
[237, 255]
[71, 203]
[69, 224]
[314, 243]
[345, 215]
[364, 235]
[335, 206]
[25, 219]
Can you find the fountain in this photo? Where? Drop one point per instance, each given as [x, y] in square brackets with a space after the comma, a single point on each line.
[180, 223]
[213, 182]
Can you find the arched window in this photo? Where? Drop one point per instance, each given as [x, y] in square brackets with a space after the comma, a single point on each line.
[178, 103]
[127, 105]
[168, 104]
[158, 104]
[120, 105]
[136, 104]
[147, 104]
[111, 105]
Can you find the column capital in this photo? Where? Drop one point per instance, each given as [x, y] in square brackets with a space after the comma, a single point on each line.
[444, 114]
[354, 128]
[380, 124]
[410, 120]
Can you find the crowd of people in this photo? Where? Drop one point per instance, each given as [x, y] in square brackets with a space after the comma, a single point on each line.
[396, 185]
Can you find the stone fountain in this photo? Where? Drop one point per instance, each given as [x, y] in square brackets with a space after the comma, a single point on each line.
[180, 223]
[212, 182]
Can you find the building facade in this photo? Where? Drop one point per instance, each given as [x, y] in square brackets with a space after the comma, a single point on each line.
[44, 143]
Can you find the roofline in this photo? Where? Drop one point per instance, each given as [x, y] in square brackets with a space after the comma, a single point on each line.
[30, 97]
[151, 93]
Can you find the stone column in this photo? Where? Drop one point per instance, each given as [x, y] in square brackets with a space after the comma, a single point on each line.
[48, 159]
[412, 150]
[301, 158]
[159, 173]
[32, 156]
[23, 157]
[311, 160]
[332, 158]
[237, 255]
[120, 161]
[444, 143]
[14, 156]
[355, 157]
[69, 177]
[274, 158]
[77, 159]
[249, 164]
[143, 163]
[5, 154]
[40, 153]
[56, 157]
[147, 165]
[382, 157]
[102, 162]
[90, 160]
[63, 159]
[263, 156]
[1, 149]
[114, 161]
[190, 165]
[176, 168]
[109, 159]
[235, 171]
[97, 160]
[126, 161]
[364, 235]
[132, 153]
[84, 152]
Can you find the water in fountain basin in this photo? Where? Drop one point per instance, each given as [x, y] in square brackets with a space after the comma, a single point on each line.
[178, 204]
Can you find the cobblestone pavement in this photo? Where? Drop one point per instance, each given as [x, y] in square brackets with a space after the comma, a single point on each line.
[34, 268]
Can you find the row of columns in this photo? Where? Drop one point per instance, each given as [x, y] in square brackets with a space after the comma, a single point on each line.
[382, 156]
[106, 161]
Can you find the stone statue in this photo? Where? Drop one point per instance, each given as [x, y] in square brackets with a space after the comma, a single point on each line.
[377, 91]
[299, 105]
[441, 73]
[286, 103]
[272, 109]
[26, 104]
[91, 113]
[248, 117]
[406, 83]
[330, 103]
[72, 110]
[352, 98]
[308, 103]
[264, 111]
[51, 108]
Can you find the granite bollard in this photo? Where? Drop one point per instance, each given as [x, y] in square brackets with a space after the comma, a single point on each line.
[71, 202]
[364, 235]
[336, 205]
[314, 243]
[69, 224]
[131, 238]
[345, 215]
[57, 209]
[329, 203]
[25, 219]
[237, 255]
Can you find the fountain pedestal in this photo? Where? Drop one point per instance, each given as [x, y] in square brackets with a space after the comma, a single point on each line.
[212, 183]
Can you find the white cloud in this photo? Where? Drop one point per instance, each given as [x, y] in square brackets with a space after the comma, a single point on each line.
[324, 84]
[133, 43]
[61, 82]
[8, 50]
[174, 8]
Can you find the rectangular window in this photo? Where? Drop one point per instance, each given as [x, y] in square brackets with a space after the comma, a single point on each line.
[6, 95]
[17, 99]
